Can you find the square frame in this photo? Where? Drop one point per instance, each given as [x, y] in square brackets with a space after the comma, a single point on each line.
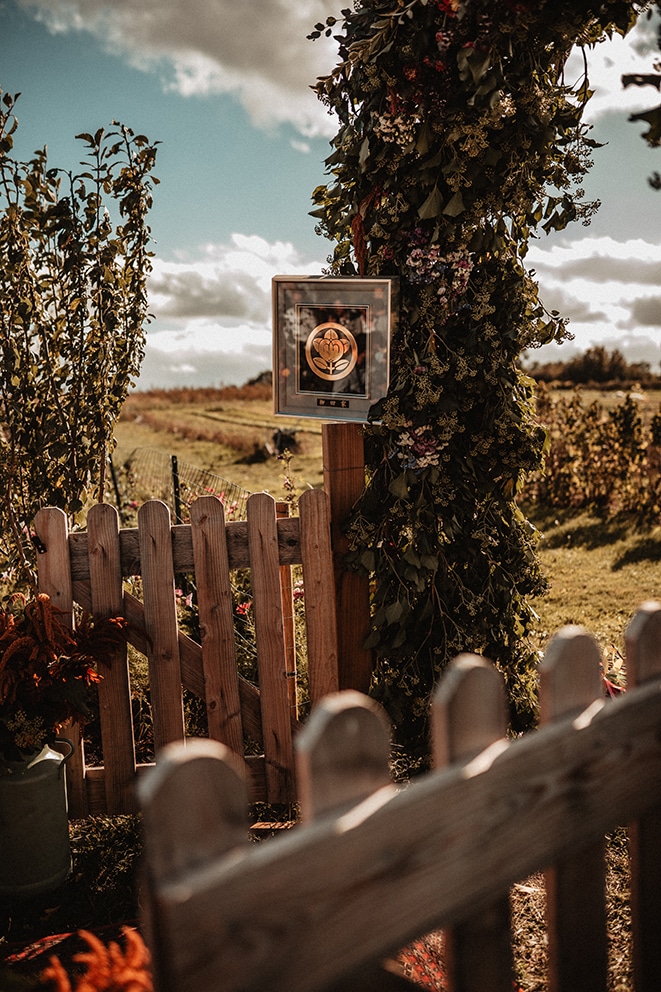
[331, 344]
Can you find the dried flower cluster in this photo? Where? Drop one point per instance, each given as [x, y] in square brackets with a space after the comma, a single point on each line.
[46, 669]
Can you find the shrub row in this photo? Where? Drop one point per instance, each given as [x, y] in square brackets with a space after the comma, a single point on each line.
[604, 459]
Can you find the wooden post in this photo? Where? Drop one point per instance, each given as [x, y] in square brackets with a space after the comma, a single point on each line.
[643, 661]
[344, 480]
[287, 593]
[570, 681]
[469, 713]
[114, 689]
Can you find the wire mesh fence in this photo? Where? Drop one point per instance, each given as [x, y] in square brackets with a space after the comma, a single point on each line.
[154, 474]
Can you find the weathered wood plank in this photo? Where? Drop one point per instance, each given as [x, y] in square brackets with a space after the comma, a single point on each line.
[412, 860]
[182, 548]
[54, 578]
[288, 621]
[469, 714]
[342, 755]
[161, 623]
[570, 681]
[320, 616]
[643, 663]
[344, 480]
[269, 639]
[114, 690]
[195, 805]
[214, 599]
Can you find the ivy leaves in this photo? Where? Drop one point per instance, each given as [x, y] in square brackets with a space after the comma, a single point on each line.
[457, 142]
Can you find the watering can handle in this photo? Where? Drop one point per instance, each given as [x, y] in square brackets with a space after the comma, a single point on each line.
[65, 740]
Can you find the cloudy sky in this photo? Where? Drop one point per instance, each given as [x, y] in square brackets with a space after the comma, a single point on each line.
[225, 86]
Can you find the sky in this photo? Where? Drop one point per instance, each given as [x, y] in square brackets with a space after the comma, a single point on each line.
[225, 86]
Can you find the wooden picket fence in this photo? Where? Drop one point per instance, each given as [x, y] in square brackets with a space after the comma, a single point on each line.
[373, 866]
[89, 567]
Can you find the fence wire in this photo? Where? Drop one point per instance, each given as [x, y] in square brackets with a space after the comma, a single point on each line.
[158, 475]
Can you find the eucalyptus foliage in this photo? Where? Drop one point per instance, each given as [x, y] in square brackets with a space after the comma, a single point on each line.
[74, 261]
[459, 138]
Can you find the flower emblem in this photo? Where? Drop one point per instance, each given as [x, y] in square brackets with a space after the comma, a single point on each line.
[331, 351]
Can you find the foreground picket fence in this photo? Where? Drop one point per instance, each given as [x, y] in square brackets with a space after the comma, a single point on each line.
[373, 865]
[89, 568]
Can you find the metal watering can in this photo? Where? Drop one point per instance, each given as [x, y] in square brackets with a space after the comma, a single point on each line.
[35, 855]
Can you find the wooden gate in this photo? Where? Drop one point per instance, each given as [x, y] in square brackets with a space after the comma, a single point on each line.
[89, 568]
[374, 866]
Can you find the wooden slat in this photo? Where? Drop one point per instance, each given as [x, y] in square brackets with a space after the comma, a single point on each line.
[214, 598]
[182, 548]
[114, 689]
[342, 755]
[195, 805]
[288, 622]
[320, 616]
[643, 663]
[407, 861]
[344, 481]
[342, 758]
[54, 578]
[570, 681]
[161, 623]
[269, 639]
[469, 713]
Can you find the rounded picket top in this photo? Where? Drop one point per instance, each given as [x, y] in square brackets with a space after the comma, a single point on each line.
[571, 673]
[642, 641]
[342, 753]
[469, 709]
[195, 806]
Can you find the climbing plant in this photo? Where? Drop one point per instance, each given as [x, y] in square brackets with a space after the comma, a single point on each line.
[460, 138]
[74, 262]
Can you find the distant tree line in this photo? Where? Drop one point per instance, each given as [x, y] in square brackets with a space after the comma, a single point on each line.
[595, 367]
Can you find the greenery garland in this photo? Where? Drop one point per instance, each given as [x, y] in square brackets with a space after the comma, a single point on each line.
[459, 138]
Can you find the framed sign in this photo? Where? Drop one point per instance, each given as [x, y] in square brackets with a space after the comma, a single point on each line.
[331, 344]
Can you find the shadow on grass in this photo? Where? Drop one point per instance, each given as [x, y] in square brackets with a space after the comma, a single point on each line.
[561, 528]
[646, 549]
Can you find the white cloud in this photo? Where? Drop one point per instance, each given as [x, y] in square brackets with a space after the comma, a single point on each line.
[608, 289]
[256, 49]
[213, 312]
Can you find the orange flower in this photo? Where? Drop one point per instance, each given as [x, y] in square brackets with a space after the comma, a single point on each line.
[109, 969]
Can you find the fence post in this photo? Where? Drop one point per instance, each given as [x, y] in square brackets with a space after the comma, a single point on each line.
[107, 593]
[161, 622]
[54, 578]
[344, 480]
[269, 640]
[214, 600]
[195, 805]
[643, 661]
[570, 681]
[469, 714]
[176, 489]
[287, 593]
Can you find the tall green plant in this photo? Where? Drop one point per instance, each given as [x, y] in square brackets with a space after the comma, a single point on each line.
[74, 262]
[459, 137]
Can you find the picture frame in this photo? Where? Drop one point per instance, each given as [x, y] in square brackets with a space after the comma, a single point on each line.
[331, 344]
